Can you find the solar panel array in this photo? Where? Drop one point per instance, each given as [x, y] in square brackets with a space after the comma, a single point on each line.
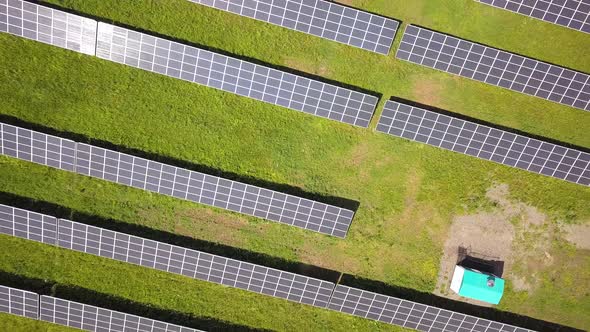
[37, 147]
[91, 318]
[193, 263]
[243, 78]
[485, 142]
[27, 225]
[173, 181]
[47, 25]
[18, 302]
[409, 314]
[574, 14]
[319, 18]
[233, 273]
[486, 64]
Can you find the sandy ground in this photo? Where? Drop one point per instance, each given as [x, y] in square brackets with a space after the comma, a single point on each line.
[513, 232]
[579, 235]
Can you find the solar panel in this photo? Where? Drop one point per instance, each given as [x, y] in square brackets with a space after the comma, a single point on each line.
[319, 18]
[19, 302]
[243, 78]
[28, 225]
[485, 142]
[211, 190]
[489, 65]
[47, 25]
[91, 318]
[37, 147]
[409, 314]
[233, 273]
[174, 181]
[573, 14]
[193, 264]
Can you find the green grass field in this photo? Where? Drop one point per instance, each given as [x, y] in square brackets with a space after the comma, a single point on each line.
[408, 192]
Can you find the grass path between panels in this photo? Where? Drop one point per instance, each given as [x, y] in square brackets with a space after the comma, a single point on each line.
[408, 193]
[18, 324]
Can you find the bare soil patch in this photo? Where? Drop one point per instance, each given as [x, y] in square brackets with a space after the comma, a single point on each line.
[345, 2]
[427, 91]
[579, 235]
[221, 227]
[329, 257]
[513, 232]
[319, 68]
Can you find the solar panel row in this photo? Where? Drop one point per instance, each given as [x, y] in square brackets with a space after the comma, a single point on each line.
[77, 315]
[574, 14]
[193, 263]
[28, 225]
[47, 25]
[91, 318]
[489, 65]
[19, 302]
[161, 256]
[173, 181]
[176, 60]
[243, 78]
[319, 18]
[409, 314]
[37, 147]
[233, 273]
[485, 142]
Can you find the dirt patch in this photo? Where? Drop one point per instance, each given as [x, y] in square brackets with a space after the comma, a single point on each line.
[579, 235]
[222, 227]
[520, 284]
[484, 234]
[345, 2]
[513, 232]
[427, 91]
[319, 68]
[329, 257]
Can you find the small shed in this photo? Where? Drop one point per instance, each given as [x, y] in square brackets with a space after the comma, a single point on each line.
[477, 285]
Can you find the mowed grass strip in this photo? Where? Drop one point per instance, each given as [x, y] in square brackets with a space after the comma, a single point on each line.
[17, 324]
[408, 192]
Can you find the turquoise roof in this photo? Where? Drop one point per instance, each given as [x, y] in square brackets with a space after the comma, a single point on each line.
[475, 285]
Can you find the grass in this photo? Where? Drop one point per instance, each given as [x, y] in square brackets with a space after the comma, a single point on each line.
[408, 192]
[15, 323]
